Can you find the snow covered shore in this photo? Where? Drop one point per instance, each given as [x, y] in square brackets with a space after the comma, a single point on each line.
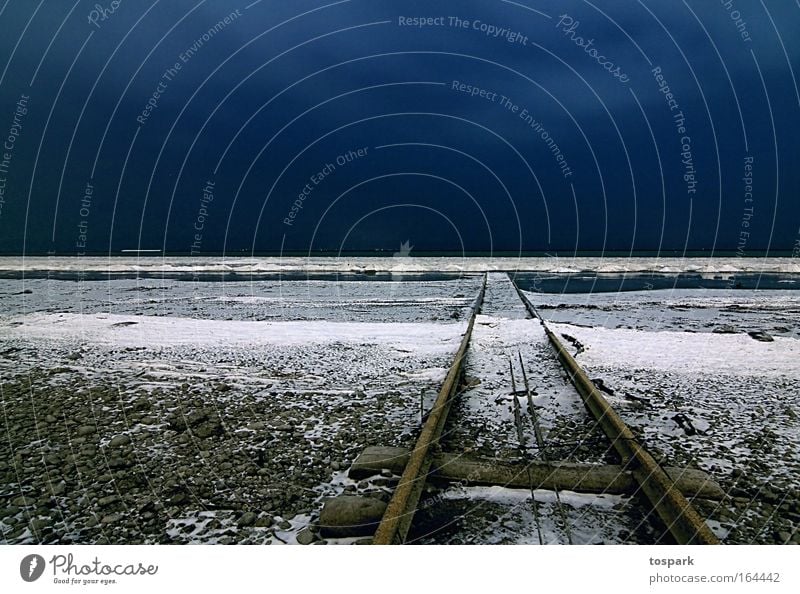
[159, 410]
[118, 265]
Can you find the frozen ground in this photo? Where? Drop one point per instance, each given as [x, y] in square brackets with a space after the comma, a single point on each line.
[132, 422]
[725, 401]
[403, 299]
[483, 422]
[687, 310]
[497, 515]
[483, 416]
[169, 410]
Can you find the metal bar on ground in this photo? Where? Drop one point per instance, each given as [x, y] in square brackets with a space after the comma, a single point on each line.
[396, 521]
[540, 442]
[524, 453]
[680, 517]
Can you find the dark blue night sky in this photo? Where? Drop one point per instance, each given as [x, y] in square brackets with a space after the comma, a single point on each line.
[223, 126]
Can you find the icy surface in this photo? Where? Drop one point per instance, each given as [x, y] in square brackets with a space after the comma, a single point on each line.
[707, 378]
[497, 515]
[363, 301]
[686, 352]
[345, 264]
[483, 421]
[158, 410]
[154, 333]
[142, 411]
[696, 310]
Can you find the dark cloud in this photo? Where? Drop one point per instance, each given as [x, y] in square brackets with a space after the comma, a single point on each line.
[586, 151]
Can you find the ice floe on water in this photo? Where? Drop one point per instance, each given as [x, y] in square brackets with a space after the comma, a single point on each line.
[349, 264]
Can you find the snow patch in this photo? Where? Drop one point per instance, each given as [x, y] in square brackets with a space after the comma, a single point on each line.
[685, 352]
[156, 331]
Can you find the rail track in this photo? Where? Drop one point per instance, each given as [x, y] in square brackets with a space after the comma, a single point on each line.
[663, 490]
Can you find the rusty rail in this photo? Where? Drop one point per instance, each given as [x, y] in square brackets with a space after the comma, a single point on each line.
[680, 517]
[397, 518]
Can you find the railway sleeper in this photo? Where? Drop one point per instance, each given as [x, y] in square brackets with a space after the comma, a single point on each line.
[570, 476]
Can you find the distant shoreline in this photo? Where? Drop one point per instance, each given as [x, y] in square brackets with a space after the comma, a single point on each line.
[751, 254]
[392, 267]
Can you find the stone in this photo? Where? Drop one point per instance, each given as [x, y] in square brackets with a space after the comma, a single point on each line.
[85, 430]
[119, 462]
[111, 519]
[119, 440]
[264, 522]
[209, 429]
[23, 501]
[760, 336]
[179, 499]
[384, 482]
[305, 537]
[106, 501]
[58, 489]
[247, 519]
[178, 421]
[349, 515]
